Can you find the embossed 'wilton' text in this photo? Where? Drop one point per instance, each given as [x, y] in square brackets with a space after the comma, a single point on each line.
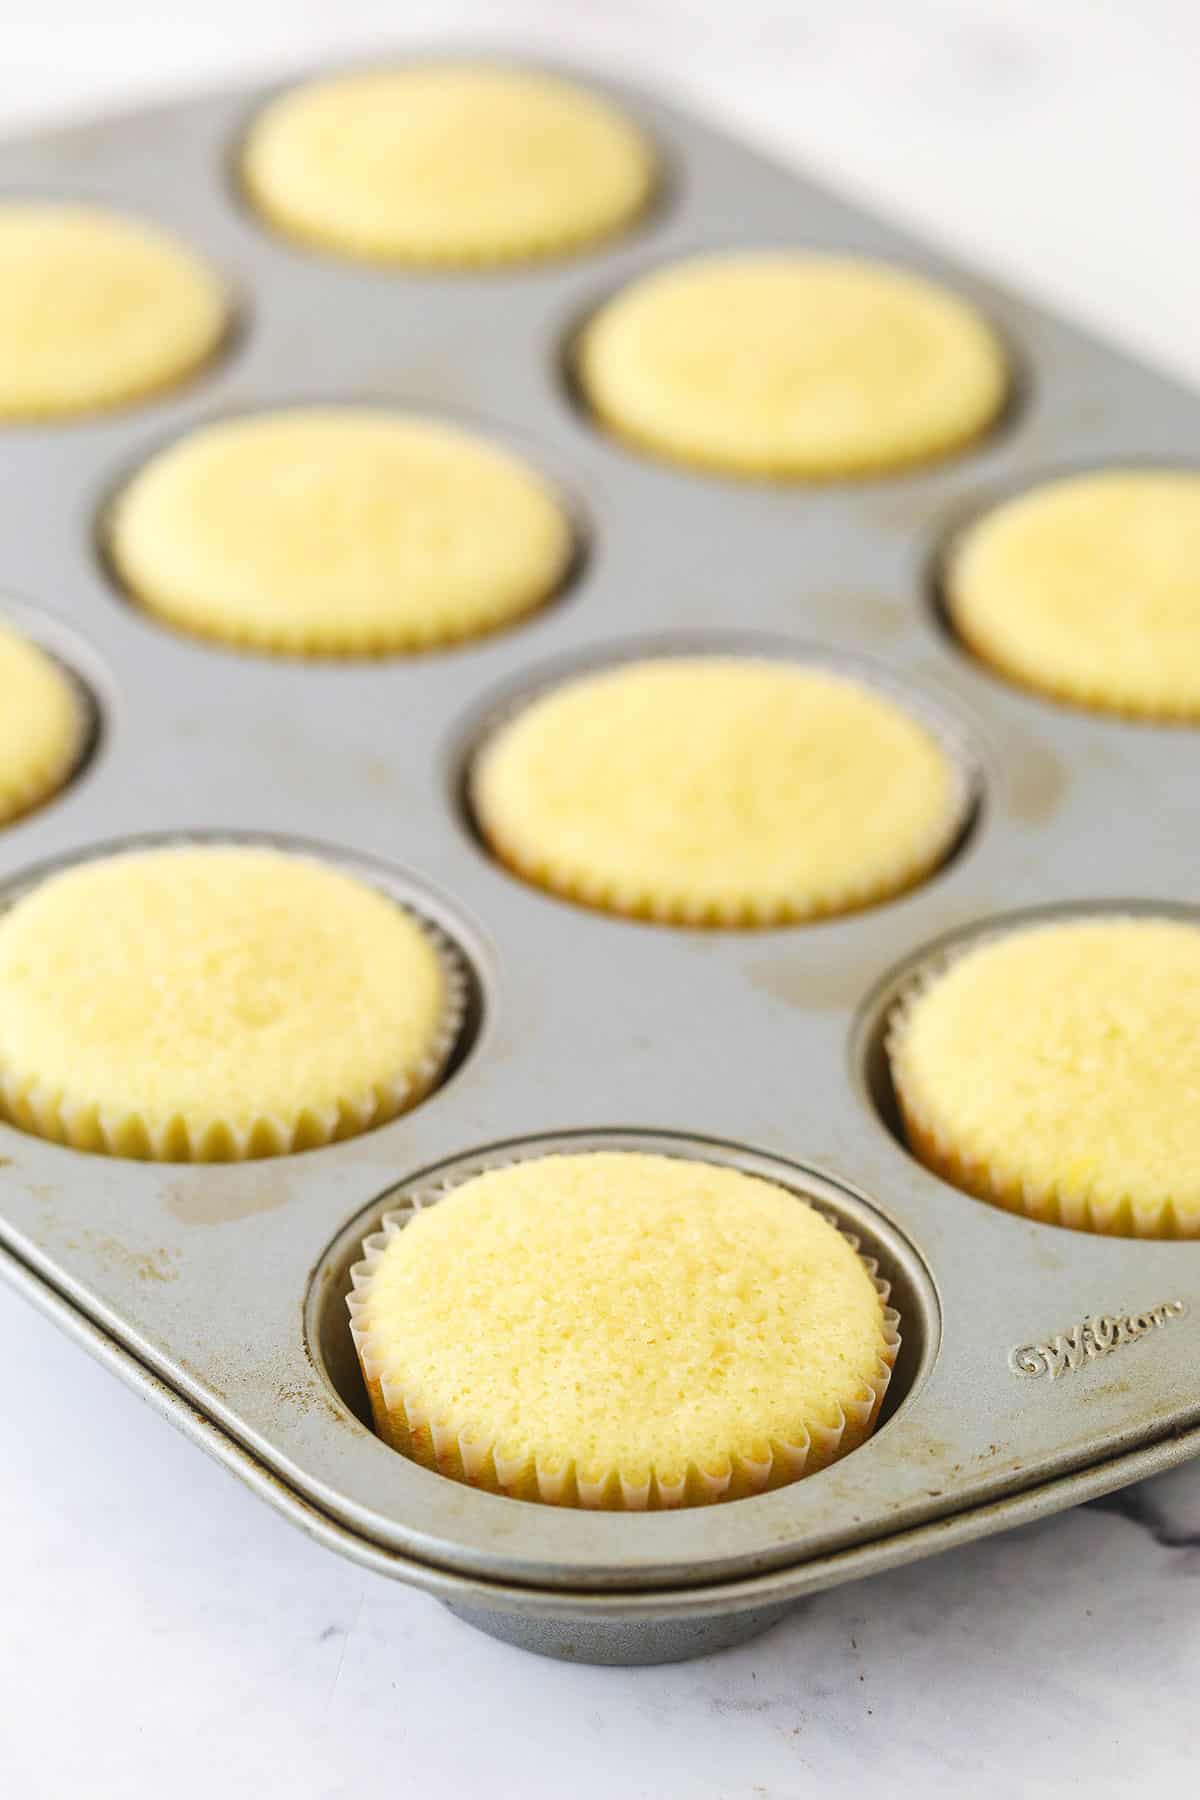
[1094, 1336]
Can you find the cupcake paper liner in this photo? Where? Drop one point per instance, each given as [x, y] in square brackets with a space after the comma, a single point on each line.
[752, 467]
[503, 251]
[734, 910]
[466, 1451]
[66, 1119]
[1111, 699]
[976, 1173]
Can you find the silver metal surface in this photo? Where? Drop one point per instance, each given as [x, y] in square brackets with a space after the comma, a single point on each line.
[216, 1289]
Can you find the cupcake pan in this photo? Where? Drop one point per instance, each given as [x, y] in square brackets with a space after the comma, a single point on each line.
[219, 1292]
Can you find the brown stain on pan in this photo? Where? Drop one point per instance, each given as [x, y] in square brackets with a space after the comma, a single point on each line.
[375, 773]
[1036, 782]
[827, 986]
[215, 1198]
[821, 982]
[143, 1265]
[876, 620]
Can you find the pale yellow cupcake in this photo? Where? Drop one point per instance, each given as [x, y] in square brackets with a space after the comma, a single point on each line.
[1089, 589]
[443, 164]
[621, 1330]
[714, 790]
[97, 310]
[1054, 1071]
[44, 725]
[202, 1004]
[791, 364]
[337, 531]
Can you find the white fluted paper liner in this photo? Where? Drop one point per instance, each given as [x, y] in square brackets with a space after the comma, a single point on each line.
[926, 1141]
[468, 1452]
[66, 1119]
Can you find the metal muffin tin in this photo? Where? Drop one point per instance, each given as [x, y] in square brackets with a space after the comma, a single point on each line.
[219, 1291]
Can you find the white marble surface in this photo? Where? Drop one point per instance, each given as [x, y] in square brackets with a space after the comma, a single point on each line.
[164, 1634]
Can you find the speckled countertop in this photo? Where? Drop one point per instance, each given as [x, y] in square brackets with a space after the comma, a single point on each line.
[165, 1634]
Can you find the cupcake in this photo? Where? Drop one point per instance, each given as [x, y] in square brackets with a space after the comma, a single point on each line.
[621, 1330]
[200, 1004]
[791, 365]
[1088, 589]
[714, 790]
[446, 164]
[97, 311]
[44, 725]
[337, 531]
[1053, 1070]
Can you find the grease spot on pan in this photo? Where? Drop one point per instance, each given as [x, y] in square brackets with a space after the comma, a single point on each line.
[218, 1199]
[825, 986]
[143, 1265]
[875, 619]
[1037, 781]
[823, 983]
[376, 773]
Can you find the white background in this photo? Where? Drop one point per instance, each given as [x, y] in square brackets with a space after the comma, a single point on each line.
[161, 1632]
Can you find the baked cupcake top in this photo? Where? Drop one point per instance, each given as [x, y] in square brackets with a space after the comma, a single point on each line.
[1053, 1070]
[43, 725]
[337, 531]
[716, 790]
[641, 1330]
[1089, 589]
[212, 1003]
[97, 310]
[791, 364]
[446, 164]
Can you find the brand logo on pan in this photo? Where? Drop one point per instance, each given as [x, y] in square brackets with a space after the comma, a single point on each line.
[1094, 1336]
